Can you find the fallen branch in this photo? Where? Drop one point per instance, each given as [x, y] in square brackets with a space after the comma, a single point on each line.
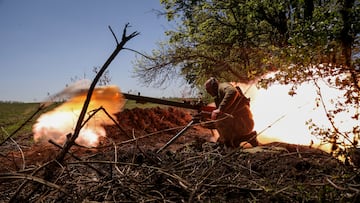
[70, 142]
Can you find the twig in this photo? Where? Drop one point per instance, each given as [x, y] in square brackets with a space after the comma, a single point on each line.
[13, 198]
[143, 55]
[298, 152]
[115, 158]
[182, 182]
[18, 146]
[134, 139]
[112, 32]
[155, 161]
[31, 178]
[235, 186]
[208, 172]
[334, 185]
[331, 121]
[161, 195]
[116, 123]
[95, 111]
[21, 152]
[79, 159]
[281, 190]
[103, 162]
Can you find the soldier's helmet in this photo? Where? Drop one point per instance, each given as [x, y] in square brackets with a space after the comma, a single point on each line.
[211, 86]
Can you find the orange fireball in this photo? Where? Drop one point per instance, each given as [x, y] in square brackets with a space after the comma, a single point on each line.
[56, 124]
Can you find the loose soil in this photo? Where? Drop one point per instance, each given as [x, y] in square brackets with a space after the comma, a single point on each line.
[126, 167]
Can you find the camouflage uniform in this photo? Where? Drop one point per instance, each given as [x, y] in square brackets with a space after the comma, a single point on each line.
[239, 128]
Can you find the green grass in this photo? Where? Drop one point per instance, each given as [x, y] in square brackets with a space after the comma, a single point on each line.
[13, 113]
[130, 104]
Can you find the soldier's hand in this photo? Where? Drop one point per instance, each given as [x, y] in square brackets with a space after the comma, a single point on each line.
[214, 114]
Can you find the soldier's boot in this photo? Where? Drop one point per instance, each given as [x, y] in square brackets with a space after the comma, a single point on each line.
[252, 139]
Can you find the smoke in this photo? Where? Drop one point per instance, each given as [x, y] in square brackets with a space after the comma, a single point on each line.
[79, 87]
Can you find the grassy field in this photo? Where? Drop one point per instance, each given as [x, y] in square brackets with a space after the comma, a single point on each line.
[12, 115]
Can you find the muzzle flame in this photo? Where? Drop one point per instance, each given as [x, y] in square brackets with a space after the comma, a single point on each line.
[61, 121]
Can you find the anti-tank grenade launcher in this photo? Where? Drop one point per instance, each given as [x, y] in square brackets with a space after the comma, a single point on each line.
[203, 111]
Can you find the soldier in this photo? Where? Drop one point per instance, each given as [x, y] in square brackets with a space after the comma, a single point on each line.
[229, 101]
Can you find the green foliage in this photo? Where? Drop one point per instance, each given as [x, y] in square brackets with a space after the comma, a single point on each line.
[243, 40]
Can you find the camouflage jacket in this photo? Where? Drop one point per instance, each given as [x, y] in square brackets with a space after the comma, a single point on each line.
[230, 98]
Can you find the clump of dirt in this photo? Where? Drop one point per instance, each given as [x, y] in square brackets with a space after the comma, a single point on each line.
[127, 168]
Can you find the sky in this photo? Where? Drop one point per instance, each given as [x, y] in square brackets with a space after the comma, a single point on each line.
[45, 44]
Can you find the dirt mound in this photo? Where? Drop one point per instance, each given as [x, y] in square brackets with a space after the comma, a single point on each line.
[151, 128]
[126, 168]
[153, 119]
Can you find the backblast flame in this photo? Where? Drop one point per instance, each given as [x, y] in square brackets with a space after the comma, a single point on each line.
[280, 117]
[61, 121]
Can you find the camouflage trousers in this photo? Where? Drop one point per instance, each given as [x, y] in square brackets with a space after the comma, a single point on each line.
[238, 128]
